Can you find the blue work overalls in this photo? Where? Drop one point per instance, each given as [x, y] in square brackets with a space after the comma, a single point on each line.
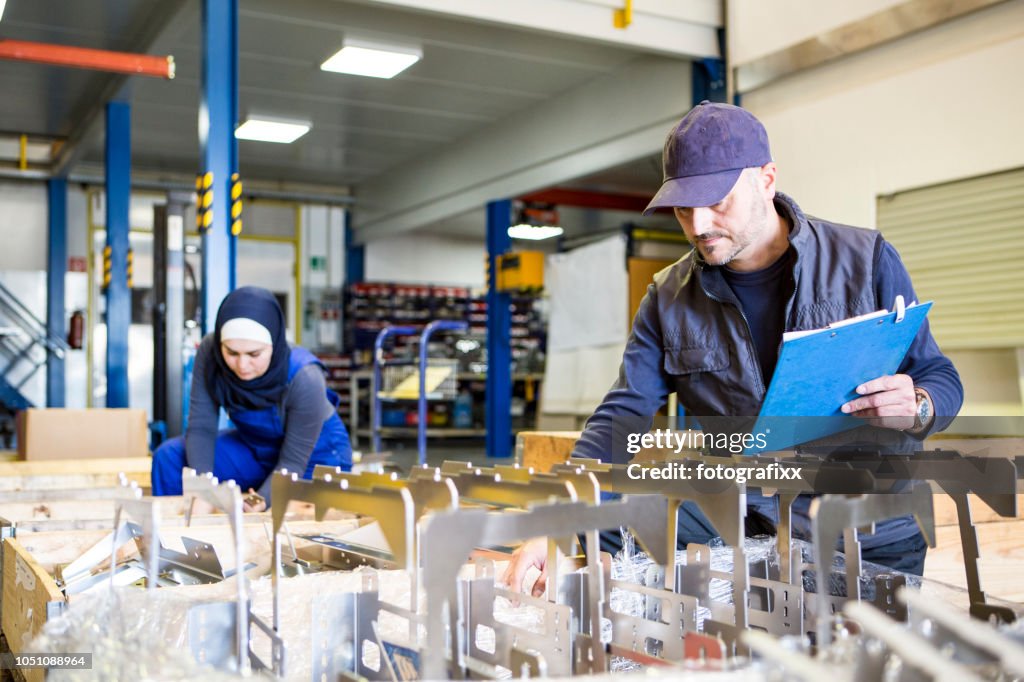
[248, 453]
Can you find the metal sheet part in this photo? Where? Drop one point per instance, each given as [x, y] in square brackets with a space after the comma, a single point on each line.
[463, 530]
[342, 634]
[831, 514]
[211, 634]
[514, 647]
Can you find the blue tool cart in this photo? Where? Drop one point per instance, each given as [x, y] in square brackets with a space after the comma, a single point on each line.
[422, 380]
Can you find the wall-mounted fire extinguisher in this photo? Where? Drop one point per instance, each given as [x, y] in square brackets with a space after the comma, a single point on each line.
[76, 330]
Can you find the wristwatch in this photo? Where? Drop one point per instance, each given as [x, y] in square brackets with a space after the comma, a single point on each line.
[923, 414]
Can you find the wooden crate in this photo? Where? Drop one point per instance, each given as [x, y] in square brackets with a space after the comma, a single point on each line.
[1002, 558]
[30, 598]
[38, 481]
[30, 593]
[544, 449]
[1000, 540]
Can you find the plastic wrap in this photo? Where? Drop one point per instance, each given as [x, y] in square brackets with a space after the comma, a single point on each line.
[132, 635]
[635, 566]
[135, 634]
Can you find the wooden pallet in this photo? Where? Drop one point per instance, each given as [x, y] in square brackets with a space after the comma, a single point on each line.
[30, 592]
[34, 481]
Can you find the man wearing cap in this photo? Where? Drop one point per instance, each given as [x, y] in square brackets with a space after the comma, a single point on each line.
[710, 326]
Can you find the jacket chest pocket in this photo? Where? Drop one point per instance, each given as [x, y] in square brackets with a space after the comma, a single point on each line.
[692, 364]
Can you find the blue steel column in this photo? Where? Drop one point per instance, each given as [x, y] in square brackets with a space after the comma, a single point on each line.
[708, 80]
[355, 254]
[218, 115]
[56, 267]
[119, 303]
[499, 348]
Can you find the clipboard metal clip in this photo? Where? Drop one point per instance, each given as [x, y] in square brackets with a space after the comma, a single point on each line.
[900, 307]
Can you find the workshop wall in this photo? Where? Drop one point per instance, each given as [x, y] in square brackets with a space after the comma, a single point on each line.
[426, 259]
[929, 108]
[22, 220]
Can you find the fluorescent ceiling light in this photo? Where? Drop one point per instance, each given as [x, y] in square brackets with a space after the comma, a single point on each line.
[377, 60]
[533, 232]
[271, 130]
[2, 3]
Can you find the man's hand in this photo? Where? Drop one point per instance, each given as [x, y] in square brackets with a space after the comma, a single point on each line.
[533, 553]
[889, 402]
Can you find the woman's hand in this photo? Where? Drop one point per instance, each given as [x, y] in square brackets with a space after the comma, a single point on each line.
[201, 507]
[253, 502]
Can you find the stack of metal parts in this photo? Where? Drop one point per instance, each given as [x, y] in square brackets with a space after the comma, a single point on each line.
[220, 633]
[565, 505]
[434, 520]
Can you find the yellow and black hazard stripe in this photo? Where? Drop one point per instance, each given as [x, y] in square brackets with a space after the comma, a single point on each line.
[107, 266]
[236, 205]
[204, 202]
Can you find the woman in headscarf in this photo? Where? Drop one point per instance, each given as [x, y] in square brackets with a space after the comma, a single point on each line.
[275, 395]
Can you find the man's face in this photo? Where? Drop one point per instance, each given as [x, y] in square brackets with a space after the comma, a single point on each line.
[735, 228]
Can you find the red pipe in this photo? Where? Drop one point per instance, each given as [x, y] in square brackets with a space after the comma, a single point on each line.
[588, 199]
[87, 58]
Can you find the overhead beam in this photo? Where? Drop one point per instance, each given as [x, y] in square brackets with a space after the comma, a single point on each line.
[681, 29]
[162, 23]
[609, 121]
[581, 198]
[857, 36]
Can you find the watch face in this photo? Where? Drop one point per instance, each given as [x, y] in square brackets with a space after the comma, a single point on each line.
[924, 408]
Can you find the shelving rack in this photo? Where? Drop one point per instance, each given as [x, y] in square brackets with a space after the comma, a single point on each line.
[372, 306]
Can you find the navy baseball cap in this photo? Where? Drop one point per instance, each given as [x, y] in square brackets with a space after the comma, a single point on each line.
[705, 154]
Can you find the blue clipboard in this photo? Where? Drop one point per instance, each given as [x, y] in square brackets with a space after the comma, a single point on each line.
[817, 373]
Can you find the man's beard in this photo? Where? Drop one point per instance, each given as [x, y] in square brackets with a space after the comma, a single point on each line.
[756, 224]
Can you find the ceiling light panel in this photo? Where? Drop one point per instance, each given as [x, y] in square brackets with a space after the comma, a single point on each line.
[534, 232]
[376, 60]
[271, 130]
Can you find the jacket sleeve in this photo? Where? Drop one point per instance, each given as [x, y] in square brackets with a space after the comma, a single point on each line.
[924, 362]
[637, 394]
[203, 413]
[306, 408]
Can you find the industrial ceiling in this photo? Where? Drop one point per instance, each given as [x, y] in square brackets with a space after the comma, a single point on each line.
[480, 75]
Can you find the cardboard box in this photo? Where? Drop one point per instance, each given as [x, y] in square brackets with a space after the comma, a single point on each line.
[544, 449]
[520, 271]
[82, 434]
[641, 274]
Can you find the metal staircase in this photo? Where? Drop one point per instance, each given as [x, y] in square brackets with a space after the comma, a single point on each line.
[25, 344]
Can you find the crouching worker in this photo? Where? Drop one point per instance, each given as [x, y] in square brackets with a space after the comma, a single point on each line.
[275, 395]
